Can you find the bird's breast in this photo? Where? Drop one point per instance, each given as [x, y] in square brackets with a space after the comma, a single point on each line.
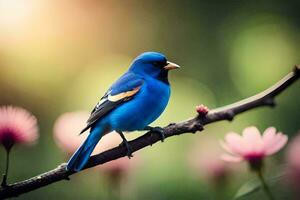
[145, 107]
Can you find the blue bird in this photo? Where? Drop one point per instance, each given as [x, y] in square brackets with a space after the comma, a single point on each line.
[134, 101]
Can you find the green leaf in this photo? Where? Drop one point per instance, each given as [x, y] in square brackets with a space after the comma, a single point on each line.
[254, 185]
[248, 188]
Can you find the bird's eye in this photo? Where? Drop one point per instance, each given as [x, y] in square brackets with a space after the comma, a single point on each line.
[156, 64]
[159, 63]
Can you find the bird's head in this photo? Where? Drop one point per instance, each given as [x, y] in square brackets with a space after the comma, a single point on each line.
[153, 64]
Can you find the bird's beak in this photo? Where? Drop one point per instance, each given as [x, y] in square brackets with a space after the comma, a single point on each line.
[171, 65]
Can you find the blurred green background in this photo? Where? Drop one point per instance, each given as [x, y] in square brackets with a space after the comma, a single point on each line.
[58, 56]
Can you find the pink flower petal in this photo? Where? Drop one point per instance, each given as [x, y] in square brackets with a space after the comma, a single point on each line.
[268, 136]
[225, 147]
[235, 143]
[278, 143]
[253, 140]
[252, 145]
[230, 158]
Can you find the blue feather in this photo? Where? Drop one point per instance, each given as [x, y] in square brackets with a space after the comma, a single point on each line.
[82, 155]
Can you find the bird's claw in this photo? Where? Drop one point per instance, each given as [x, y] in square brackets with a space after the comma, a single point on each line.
[160, 131]
[128, 147]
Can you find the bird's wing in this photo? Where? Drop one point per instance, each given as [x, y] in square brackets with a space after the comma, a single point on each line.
[122, 90]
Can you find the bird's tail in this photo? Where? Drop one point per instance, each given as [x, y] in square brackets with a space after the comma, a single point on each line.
[82, 155]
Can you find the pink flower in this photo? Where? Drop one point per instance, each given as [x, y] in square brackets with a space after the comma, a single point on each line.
[67, 128]
[17, 126]
[293, 163]
[252, 146]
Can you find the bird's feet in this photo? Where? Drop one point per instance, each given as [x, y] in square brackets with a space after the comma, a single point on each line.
[157, 130]
[128, 147]
[126, 144]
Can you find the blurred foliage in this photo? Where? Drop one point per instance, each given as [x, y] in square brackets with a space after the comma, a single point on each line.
[58, 56]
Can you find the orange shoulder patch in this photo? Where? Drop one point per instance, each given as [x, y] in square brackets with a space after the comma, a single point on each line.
[123, 95]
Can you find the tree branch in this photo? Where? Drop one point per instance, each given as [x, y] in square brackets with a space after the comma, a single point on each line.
[265, 98]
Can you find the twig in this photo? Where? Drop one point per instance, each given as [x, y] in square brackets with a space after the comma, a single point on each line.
[265, 98]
